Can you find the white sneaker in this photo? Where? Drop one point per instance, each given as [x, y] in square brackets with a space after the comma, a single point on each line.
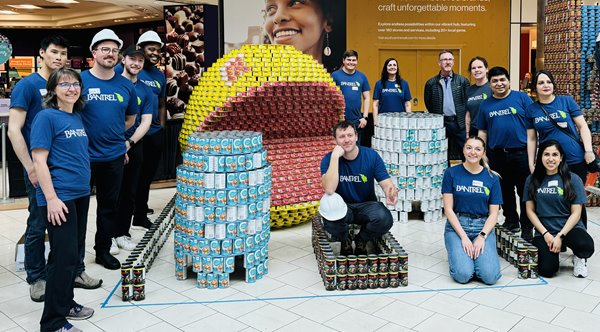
[124, 242]
[114, 248]
[580, 269]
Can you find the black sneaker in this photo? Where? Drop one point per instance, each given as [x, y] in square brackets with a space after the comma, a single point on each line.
[361, 247]
[512, 226]
[143, 223]
[346, 248]
[150, 211]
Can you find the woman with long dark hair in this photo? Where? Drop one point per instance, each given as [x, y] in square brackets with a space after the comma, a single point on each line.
[554, 197]
[59, 149]
[558, 118]
[472, 198]
[391, 92]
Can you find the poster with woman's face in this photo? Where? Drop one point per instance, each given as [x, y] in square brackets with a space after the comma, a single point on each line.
[315, 27]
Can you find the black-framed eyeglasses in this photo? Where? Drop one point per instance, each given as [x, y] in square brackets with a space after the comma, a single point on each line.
[67, 85]
[107, 50]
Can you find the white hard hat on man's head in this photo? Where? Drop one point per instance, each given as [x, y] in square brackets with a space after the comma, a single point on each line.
[333, 207]
[105, 34]
[150, 37]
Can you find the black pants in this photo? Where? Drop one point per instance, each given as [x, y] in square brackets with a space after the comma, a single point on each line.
[456, 137]
[129, 185]
[514, 170]
[581, 171]
[66, 241]
[107, 176]
[577, 239]
[374, 217]
[153, 147]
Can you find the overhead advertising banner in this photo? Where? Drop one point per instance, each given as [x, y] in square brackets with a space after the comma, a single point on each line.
[414, 32]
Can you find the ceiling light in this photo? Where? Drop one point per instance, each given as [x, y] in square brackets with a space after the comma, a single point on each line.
[118, 20]
[63, 1]
[8, 12]
[26, 6]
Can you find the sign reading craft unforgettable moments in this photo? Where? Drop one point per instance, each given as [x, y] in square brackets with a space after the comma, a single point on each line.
[414, 31]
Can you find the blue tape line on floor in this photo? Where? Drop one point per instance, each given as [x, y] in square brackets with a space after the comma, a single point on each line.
[542, 282]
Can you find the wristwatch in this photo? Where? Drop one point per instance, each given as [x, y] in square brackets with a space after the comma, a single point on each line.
[131, 142]
[483, 235]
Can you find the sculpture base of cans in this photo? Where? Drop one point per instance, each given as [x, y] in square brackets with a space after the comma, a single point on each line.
[517, 252]
[413, 147]
[222, 207]
[389, 268]
[139, 262]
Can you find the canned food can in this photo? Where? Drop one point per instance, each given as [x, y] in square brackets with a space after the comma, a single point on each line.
[352, 264]
[523, 271]
[403, 261]
[209, 214]
[372, 282]
[220, 232]
[229, 264]
[126, 274]
[383, 263]
[533, 269]
[403, 275]
[383, 280]
[220, 214]
[127, 292]
[251, 275]
[238, 246]
[139, 274]
[223, 280]
[362, 282]
[231, 230]
[209, 231]
[393, 279]
[218, 265]
[215, 247]
[352, 281]
[373, 263]
[329, 282]
[201, 280]
[329, 266]
[341, 281]
[139, 292]
[212, 281]
[393, 262]
[207, 265]
[342, 265]
[227, 246]
[533, 254]
[362, 264]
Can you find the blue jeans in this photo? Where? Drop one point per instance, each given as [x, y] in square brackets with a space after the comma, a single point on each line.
[462, 267]
[375, 220]
[35, 262]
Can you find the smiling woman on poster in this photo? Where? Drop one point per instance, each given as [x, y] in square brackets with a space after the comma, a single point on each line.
[305, 24]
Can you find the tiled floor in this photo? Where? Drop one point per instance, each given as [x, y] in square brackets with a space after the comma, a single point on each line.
[292, 296]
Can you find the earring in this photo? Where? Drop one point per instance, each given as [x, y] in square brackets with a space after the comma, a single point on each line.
[327, 49]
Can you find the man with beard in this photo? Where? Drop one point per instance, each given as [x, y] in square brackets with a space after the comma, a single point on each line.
[153, 142]
[111, 107]
[350, 171]
[132, 63]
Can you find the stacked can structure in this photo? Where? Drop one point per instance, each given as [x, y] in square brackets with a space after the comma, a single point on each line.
[413, 147]
[222, 207]
[290, 98]
[139, 262]
[388, 269]
[518, 252]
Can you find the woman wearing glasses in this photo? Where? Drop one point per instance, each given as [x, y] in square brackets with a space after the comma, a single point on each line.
[59, 149]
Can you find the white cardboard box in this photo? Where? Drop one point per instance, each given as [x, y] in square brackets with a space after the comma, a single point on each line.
[20, 253]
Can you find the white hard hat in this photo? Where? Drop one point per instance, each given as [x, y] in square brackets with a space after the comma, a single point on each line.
[105, 34]
[150, 37]
[333, 207]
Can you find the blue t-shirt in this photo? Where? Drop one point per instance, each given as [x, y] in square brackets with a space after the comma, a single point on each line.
[475, 95]
[28, 94]
[356, 183]
[551, 207]
[391, 96]
[63, 135]
[472, 193]
[504, 120]
[146, 103]
[352, 87]
[106, 104]
[156, 80]
[562, 109]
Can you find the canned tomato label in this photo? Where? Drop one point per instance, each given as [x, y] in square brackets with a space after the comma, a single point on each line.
[201, 280]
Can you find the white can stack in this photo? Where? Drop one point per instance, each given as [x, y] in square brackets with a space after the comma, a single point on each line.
[413, 147]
